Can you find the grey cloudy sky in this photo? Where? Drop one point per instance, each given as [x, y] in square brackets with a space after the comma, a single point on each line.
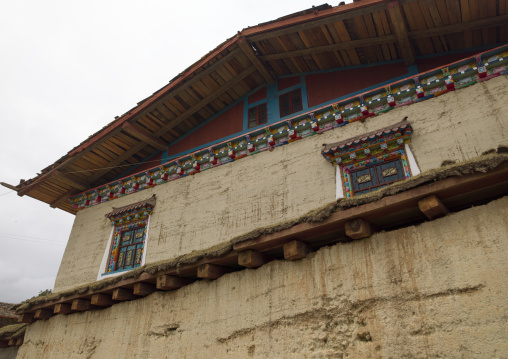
[67, 69]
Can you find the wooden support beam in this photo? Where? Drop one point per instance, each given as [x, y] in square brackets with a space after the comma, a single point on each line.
[144, 136]
[26, 318]
[398, 24]
[205, 101]
[334, 47]
[12, 342]
[254, 58]
[43, 314]
[70, 180]
[102, 300]
[460, 27]
[432, 207]
[143, 289]
[295, 250]
[4, 343]
[359, 228]
[211, 271]
[62, 308]
[63, 198]
[168, 282]
[9, 186]
[81, 305]
[251, 259]
[122, 294]
[19, 341]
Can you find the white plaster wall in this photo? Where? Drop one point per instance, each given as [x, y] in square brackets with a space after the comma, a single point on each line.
[214, 206]
[436, 290]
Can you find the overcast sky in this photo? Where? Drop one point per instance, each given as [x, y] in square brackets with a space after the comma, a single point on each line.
[67, 68]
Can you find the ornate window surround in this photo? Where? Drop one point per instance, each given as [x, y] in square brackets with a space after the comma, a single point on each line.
[133, 216]
[375, 147]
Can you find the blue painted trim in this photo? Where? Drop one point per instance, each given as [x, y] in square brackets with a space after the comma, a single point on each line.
[272, 95]
[291, 88]
[257, 103]
[305, 100]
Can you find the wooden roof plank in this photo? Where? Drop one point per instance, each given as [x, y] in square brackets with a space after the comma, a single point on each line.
[249, 53]
[306, 41]
[397, 20]
[361, 31]
[287, 45]
[336, 40]
[371, 31]
[426, 44]
[386, 27]
[287, 26]
[341, 29]
[376, 17]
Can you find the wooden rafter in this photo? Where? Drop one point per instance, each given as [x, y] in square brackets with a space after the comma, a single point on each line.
[144, 136]
[397, 20]
[56, 203]
[455, 28]
[247, 49]
[289, 26]
[70, 180]
[81, 151]
[334, 47]
[214, 95]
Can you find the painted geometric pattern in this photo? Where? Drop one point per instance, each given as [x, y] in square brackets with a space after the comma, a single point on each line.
[375, 167]
[127, 247]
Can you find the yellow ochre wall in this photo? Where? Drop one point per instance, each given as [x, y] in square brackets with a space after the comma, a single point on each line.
[435, 290]
[211, 207]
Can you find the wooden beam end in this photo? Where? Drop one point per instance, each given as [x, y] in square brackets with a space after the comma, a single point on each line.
[43, 314]
[143, 289]
[295, 250]
[62, 308]
[81, 305]
[102, 300]
[211, 271]
[122, 294]
[251, 259]
[359, 228]
[432, 207]
[168, 282]
[26, 318]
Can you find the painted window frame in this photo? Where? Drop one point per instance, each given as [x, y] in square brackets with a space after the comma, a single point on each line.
[128, 218]
[257, 120]
[288, 96]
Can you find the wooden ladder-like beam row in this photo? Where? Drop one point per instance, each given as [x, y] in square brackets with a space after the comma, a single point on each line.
[427, 202]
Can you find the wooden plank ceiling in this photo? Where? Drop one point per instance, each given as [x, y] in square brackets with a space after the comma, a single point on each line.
[320, 38]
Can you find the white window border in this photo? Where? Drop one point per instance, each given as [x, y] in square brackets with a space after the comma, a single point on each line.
[105, 257]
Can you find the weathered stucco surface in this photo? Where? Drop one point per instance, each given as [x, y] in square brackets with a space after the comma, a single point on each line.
[214, 206]
[434, 290]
